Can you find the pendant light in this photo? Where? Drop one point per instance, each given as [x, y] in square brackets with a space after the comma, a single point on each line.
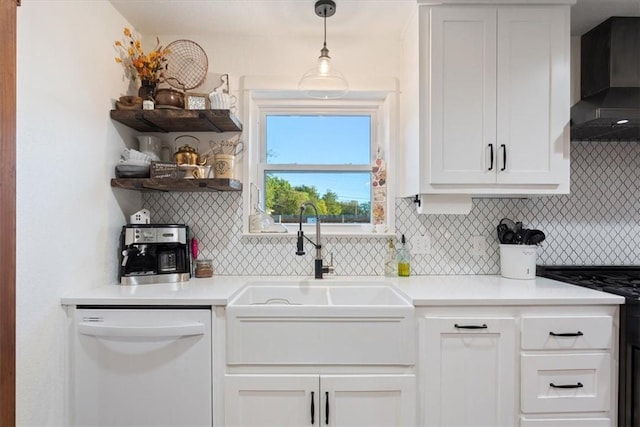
[323, 81]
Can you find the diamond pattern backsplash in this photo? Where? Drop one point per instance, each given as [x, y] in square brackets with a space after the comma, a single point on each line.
[598, 223]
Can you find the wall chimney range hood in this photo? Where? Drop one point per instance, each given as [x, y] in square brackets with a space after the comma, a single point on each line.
[609, 109]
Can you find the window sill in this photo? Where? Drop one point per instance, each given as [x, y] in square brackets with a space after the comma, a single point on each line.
[324, 234]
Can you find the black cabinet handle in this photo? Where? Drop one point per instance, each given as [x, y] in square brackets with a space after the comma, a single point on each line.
[483, 326]
[313, 410]
[579, 385]
[504, 156]
[567, 334]
[491, 155]
[326, 408]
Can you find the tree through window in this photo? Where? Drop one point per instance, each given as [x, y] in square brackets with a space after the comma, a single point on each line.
[322, 158]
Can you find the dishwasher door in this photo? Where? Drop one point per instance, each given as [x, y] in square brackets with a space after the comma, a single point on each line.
[142, 367]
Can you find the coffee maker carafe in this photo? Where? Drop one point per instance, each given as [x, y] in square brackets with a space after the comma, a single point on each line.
[154, 253]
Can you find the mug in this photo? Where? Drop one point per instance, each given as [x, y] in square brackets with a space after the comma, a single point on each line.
[222, 101]
[231, 147]
[227, 147]
[223, 165]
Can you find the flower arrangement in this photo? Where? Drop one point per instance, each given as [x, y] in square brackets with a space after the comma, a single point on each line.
[136, 63]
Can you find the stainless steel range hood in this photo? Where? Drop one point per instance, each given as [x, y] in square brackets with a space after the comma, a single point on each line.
[609, 109]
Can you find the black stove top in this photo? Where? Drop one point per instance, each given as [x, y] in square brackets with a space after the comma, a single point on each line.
[619, 280]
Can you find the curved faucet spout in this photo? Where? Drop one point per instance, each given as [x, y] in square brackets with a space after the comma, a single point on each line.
[319, 267]
[318, 243]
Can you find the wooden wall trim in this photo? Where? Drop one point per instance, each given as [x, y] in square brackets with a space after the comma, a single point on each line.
[8, 19]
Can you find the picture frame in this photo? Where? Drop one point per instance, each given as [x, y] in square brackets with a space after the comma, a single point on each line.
[196, 101]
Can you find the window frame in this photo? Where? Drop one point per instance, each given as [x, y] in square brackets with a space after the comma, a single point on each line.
[376, 107]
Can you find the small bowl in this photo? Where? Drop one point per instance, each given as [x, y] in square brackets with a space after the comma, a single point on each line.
[132, 171]
[129, 103]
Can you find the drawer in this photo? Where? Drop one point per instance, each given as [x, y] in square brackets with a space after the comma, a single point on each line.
[565, 422]
[581, 382]
[567, 333]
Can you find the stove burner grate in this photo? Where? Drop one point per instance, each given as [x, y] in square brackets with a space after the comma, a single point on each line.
[620, 280]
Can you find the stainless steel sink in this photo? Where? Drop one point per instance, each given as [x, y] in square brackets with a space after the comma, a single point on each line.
[310, 323]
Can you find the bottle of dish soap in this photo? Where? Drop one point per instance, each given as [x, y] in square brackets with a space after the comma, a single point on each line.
[391, 261]
[404, 259]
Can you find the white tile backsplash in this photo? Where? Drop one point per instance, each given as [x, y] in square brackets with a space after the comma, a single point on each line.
[598, 223]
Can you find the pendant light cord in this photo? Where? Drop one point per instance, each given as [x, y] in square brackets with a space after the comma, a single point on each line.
[324, 17]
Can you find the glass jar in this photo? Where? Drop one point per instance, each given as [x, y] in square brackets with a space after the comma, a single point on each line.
[147, 90]
[204, 268]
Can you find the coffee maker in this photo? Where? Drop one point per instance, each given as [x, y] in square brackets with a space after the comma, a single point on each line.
[154, 253]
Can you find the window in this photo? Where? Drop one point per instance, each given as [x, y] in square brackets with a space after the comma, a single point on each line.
[324, 159]
[322, 153]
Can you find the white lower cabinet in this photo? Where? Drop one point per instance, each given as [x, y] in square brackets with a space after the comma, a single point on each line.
[467, 371]
[568, 369]
[532, 366]
[334, 400]
[271, 400]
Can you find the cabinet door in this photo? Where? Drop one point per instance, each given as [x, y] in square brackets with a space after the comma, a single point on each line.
[368, 400]
[467, 371]
[533, 95]
[271, 400]
[463, 96]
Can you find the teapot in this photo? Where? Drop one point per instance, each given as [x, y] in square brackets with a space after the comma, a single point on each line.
[187, 155]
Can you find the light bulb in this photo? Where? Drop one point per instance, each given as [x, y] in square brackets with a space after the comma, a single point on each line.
[324, 65]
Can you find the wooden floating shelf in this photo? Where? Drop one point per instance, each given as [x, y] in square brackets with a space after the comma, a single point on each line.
[171, 184]
[179, 120]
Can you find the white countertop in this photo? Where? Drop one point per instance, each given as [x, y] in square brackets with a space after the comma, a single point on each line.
[470, 290]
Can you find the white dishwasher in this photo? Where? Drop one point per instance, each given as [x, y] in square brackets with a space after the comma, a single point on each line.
[142, 366]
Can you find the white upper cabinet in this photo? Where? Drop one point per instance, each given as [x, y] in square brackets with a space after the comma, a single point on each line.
[533, 95]
[463, 96]
[485, 100]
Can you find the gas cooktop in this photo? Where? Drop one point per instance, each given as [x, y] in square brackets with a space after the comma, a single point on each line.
[619, 280]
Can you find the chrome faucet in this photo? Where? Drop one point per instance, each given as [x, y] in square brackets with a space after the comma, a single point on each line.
[319, 267]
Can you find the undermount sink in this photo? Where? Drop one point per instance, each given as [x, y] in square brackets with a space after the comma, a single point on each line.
[308, 323]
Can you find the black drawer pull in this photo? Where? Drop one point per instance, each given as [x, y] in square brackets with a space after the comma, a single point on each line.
[483, 326]
[313, 410]
[579, 385]
[567, 334]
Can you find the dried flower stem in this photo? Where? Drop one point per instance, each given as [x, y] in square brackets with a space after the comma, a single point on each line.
[138, 65]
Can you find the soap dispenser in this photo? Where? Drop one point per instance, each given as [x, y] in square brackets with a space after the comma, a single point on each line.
[404, 259]
[391, 261]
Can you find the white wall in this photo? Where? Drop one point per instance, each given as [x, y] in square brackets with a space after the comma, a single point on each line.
[67, 215]
[361, 58]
